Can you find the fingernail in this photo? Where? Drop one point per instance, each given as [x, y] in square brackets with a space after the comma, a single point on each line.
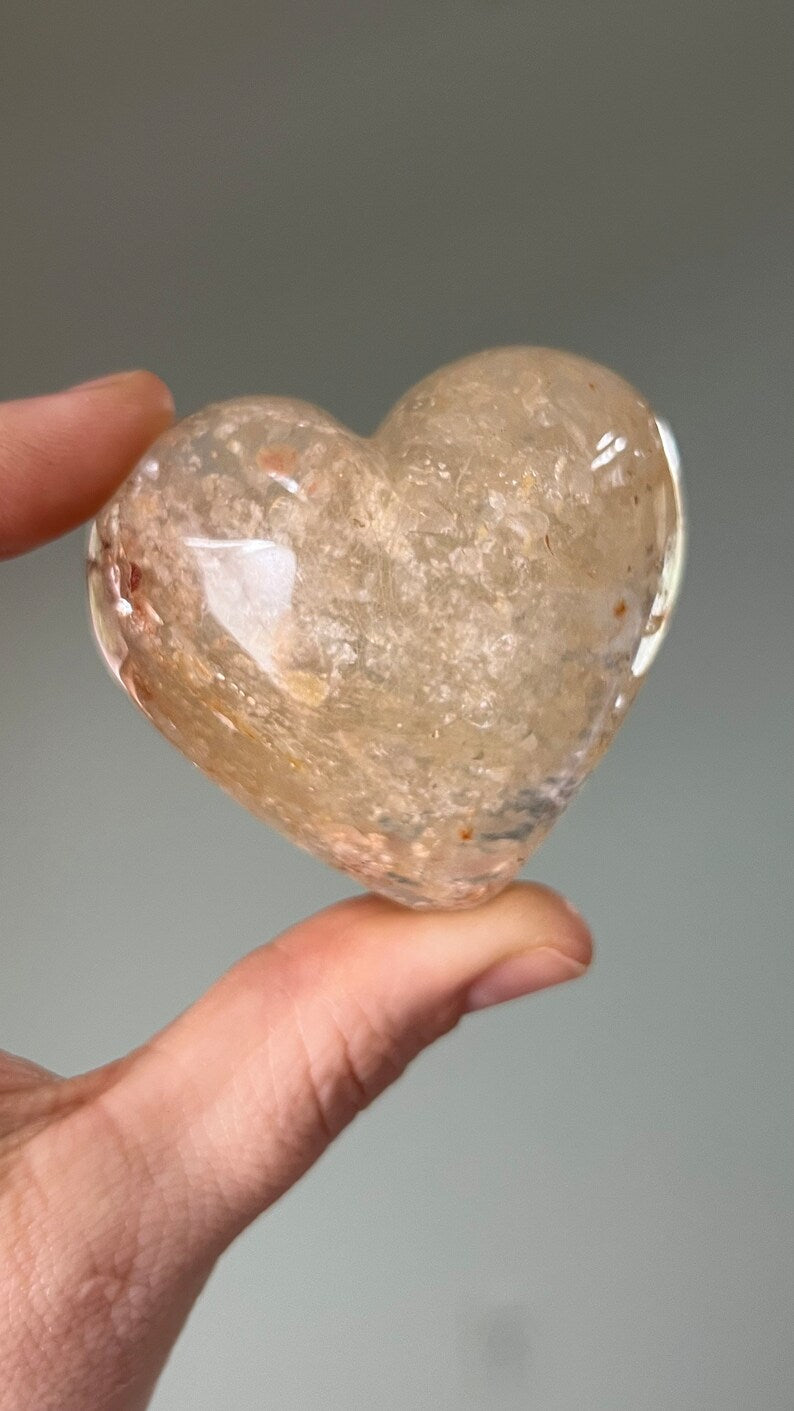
[108, 380]
[522, 975]
[120, 379]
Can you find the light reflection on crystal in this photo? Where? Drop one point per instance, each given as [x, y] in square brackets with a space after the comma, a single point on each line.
[248, 585]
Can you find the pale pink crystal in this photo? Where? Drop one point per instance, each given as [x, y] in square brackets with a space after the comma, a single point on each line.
[405, 652]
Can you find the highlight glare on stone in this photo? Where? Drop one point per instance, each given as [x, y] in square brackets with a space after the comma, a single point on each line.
[407, 652]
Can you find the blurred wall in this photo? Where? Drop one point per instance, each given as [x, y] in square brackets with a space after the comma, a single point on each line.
[584, 1202]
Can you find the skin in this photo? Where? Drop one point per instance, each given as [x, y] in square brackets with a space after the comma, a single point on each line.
[120, 1188]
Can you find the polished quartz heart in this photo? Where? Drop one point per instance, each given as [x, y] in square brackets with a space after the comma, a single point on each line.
[406, 652]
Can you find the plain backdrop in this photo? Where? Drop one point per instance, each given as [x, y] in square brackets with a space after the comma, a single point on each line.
[582, 1202]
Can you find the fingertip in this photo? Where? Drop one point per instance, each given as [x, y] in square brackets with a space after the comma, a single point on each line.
[63, 455]
[569, 932]
[419, 958]
[528, 938]
[140, 388]
[524, 916]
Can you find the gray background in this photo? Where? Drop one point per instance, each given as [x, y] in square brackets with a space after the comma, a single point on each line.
[582, 1202]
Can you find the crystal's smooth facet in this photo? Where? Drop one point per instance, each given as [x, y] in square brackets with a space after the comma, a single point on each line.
[406, 652]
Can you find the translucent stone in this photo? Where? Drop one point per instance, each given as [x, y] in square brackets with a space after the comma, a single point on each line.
[407, 652]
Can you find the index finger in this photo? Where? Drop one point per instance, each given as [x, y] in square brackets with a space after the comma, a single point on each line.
[63, 455]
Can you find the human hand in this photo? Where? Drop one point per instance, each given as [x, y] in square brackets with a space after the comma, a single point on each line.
[120, 1188]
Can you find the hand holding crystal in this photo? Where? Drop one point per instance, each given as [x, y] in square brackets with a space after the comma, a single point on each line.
[120, 1188]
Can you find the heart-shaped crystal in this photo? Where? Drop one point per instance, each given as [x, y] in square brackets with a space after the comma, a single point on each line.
[405, 652]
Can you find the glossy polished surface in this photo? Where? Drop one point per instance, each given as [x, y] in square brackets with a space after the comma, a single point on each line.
[406, 652]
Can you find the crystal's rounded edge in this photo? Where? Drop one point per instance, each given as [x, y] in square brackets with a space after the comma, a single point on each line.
[681, 546]
[107, 635]
[675, 559]
[451, 900]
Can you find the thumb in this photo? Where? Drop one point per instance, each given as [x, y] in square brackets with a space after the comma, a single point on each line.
[235, 1099]
[125, 1184]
